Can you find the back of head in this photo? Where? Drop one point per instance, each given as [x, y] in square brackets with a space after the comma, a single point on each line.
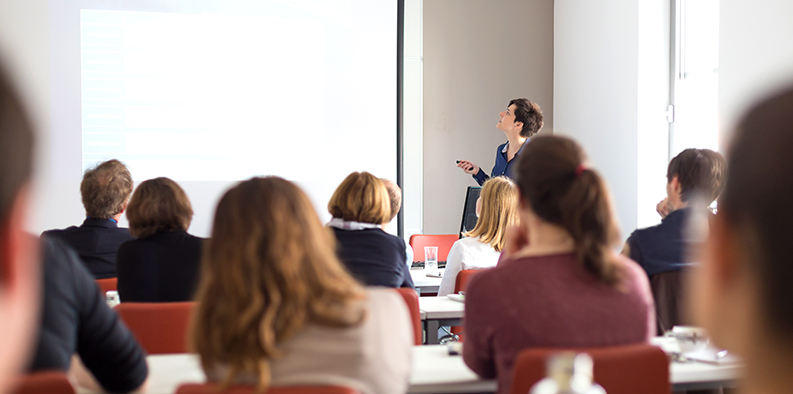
[499, 210]
[554, 182]
[158, 205]
[756, 202]
[530, 114]
[16, 148]
[268, 269]
[394, 196]
[700, 172]
[105, 189]
[361, 197]
[19, 271]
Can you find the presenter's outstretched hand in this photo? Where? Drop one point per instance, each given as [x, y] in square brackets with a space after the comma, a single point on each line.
[468, 167]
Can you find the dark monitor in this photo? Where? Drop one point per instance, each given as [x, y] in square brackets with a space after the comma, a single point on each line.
[469, 209]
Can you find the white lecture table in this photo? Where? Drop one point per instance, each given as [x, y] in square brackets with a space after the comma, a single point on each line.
[424, 283]
[433, 371]
[439, 311]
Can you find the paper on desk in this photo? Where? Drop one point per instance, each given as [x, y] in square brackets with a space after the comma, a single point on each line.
[708, 355]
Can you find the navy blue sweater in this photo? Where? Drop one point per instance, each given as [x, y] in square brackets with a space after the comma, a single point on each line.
[374, 257]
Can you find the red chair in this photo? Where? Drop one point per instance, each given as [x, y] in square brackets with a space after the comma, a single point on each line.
[628, 369]
[211, 388]
[106, 285]
[160, 327]
[460, 284]
[463, 278]
[50, 382]
[444, 243]
[412, 299]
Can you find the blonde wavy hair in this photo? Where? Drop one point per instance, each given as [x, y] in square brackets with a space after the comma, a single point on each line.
[499, 210]
[361, 197]
[268, 269]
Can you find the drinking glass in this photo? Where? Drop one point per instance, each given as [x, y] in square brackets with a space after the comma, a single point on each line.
[431, 260]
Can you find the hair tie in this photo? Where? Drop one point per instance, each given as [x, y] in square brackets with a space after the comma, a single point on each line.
[579, 170]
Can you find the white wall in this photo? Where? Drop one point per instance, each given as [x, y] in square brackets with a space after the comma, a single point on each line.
[23, 48]
[413, 121]
[477, 56]
[755, 54]
[606, 95]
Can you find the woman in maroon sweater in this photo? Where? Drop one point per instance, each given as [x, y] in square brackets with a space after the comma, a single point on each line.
[559, 282]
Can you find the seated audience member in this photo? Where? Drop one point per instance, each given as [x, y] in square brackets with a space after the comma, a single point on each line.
[395, 197]
[496, 208]
[20, 274]
[559, 283]
[105, 190]
[360, 206]
[741, 292]
[76, 320]
[277, 308]
[695, 176]
[162, 264]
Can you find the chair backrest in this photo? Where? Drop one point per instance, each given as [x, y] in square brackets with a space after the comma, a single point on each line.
[211, 388]
[463, 277]
[667, 290]
[50, 382]
[160, 327]
[412, 299]
[444, 243]
[628, 369]
[106, 285]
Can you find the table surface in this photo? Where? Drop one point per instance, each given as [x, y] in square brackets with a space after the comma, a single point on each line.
[421, 280]
[433, 371]
[436, 308]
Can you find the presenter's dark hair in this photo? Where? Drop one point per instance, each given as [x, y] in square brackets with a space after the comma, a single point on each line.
[16, 147]
[528, 113]
[554, 182]
[756, 202]
[105, 189]
[701, 173]
[158, 205]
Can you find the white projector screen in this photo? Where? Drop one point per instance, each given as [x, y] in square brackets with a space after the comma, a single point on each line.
[213, 92]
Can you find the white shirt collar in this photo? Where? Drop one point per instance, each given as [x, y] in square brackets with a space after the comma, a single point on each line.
[350, 225]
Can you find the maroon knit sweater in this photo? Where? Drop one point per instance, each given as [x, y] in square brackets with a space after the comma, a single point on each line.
[549, 301]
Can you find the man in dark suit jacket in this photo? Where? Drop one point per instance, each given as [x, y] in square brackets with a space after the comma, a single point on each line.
[105, 192]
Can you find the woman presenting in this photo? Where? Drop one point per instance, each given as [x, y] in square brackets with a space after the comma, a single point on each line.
[521, 120]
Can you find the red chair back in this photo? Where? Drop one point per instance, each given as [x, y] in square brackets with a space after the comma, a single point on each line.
[160, 327]
[412, 300]
[460, 284]
[50, 382]
[444, 243]
[463, 277]
[628, 369]
[106, 285]
[211, 388]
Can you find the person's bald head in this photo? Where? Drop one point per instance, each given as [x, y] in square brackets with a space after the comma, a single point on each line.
[394, 195]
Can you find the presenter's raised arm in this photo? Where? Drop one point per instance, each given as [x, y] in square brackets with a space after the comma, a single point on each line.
[468, 167]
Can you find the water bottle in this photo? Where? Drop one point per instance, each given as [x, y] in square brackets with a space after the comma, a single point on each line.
[568, 373]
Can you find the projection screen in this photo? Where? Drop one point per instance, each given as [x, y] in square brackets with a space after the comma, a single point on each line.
[209, 93]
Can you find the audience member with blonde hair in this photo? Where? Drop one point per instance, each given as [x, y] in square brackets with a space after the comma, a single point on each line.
[105, 191]
[277, 308]
[162, 264]
[497, 209]
[560, 282]
[395, 197]
[360, 207]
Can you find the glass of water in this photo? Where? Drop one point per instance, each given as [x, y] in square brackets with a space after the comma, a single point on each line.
[431, 260]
